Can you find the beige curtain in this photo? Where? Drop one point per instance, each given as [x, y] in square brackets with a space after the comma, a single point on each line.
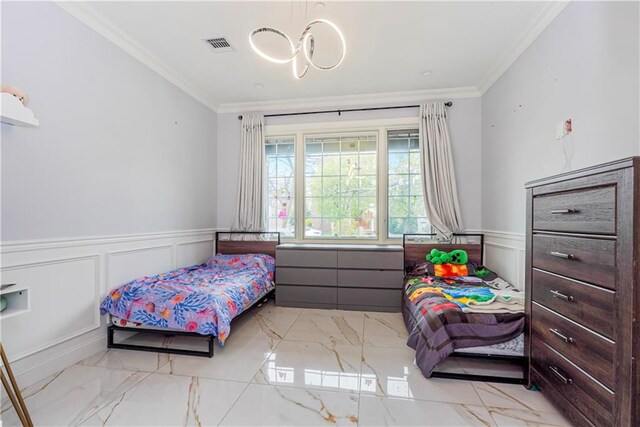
[249, 213]
[438, 175]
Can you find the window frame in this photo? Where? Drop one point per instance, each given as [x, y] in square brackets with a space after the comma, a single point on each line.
[379, 127]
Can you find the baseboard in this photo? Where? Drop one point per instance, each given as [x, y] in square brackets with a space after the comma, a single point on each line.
[52, 361]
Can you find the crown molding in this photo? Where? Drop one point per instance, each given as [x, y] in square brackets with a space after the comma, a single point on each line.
[94, 20]
[91, 18]
[539, 24]
[351, 100]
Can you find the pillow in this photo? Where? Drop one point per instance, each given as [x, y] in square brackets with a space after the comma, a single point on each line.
[232, 262]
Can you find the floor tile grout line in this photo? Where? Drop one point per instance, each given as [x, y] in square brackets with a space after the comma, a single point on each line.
[105, 404]
[473, 386]
[253, 377]
[274, 349]
[234, 403]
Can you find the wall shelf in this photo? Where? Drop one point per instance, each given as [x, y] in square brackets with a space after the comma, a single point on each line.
[17, 302]
[12, 112]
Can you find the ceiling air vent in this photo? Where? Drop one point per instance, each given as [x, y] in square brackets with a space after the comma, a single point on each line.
[219, 44]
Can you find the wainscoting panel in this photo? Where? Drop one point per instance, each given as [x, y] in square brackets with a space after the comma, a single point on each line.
[63, 303]
[192, 253]
[65, 281]
[504, 253]
[123, 266]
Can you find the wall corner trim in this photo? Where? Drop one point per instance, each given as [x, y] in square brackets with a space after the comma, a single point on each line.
[91, 18]
[539, 24]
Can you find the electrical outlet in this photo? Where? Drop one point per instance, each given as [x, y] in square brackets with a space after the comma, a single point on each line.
[563, 128]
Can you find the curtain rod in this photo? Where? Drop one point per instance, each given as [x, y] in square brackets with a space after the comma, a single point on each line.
[447, 104]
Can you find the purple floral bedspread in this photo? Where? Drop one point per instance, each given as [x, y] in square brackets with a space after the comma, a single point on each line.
[202, 298]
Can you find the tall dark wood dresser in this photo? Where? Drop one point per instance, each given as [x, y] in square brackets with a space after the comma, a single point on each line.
[583, 292]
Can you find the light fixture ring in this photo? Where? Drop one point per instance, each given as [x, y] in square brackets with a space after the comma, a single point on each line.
[305, 36]
[294, 50]
[306, 44]
[306, 65]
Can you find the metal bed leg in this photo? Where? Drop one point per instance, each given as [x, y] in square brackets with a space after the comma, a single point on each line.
[110, 332]
[111, 344]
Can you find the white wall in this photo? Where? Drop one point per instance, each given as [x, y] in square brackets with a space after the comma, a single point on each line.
[584, 66]
[120, 153]
[119, 150]
[464, 125]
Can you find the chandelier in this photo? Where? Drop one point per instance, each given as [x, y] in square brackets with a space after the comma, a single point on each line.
[305, 45]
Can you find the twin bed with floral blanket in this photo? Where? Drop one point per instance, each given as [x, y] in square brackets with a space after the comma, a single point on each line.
[447, 312]
[200, 300]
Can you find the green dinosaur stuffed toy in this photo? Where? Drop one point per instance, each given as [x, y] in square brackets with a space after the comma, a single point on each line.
[457, 256]
[482, 272]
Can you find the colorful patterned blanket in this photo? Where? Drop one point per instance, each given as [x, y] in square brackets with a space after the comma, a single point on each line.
[202, 298]
[437, 324]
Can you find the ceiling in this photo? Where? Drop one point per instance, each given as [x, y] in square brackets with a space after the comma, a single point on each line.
[465, 45]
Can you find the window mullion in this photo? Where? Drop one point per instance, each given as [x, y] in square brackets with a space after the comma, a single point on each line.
[382, 186]
[299, 189]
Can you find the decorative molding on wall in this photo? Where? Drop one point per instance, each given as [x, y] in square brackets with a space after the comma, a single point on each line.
[539, 24]
[32, 245]
[335, 102]
[74, 330]
[130, 263]
[94, 20]
[505, 254]
[64, 314]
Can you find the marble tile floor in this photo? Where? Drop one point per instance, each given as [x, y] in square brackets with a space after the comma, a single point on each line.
[280, 366]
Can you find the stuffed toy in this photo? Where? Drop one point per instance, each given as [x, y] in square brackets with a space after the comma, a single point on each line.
[22, 97]
[457, 256]
[482, 272]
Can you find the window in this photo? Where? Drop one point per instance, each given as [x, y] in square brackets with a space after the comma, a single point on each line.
[334, 181]
[281, 168]
[340, 186]
[405, 196]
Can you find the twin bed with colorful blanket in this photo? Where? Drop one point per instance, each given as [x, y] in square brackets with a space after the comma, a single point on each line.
[459, 309]
[200, 300]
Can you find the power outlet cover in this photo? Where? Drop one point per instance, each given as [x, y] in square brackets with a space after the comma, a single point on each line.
[563, 128]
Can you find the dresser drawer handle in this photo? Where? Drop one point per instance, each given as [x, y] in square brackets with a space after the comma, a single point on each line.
[564, 211]
[564, 379]
[561, 336]
[557, 294]
[562, 255]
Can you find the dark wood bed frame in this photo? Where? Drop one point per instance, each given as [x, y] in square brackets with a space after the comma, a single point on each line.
[414, 253]
[221, 246]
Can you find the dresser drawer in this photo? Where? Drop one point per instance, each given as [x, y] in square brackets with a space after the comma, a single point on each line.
[586, 349]
[373, 260]
[306, 258]
[591, 398]
[306, 294]
[371, 278]
[581, 211]
[306, 276]
[370, 297]
[588, 305]
[560, 401]
[591, 260]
